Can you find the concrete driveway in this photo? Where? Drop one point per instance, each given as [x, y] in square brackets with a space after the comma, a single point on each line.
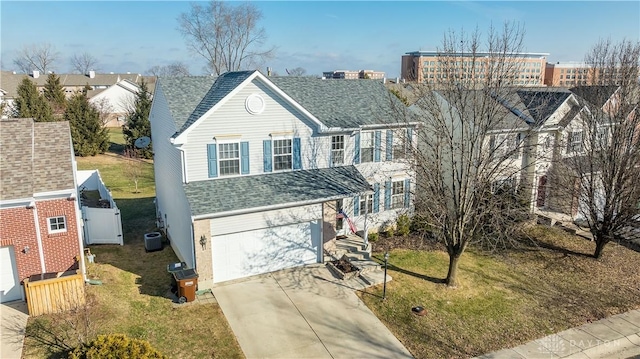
[13, 321]
[304, 313]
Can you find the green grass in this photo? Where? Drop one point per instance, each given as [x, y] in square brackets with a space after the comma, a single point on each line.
[132, 299]
[503, 300]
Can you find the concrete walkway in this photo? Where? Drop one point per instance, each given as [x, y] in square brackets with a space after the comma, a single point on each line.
[13, 321]
[304, 313]
[616, 337]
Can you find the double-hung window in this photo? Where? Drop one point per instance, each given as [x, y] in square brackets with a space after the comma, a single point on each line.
[399, 144]
[282, 155]
[602, 137]
[366, 147]
[337, 150]
[229, 158]
[397, 194]
[57, 224]
[574, 142]
[366, 204]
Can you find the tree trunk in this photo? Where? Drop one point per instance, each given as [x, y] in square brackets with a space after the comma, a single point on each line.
[452, 275]
[600, 243]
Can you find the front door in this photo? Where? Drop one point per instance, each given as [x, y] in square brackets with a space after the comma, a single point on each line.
[542, 191]
[340, 231]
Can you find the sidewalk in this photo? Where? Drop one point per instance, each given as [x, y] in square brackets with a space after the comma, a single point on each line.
[614, 337]
[13, 320]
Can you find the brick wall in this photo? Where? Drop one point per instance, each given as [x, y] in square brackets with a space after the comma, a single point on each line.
[17, 228]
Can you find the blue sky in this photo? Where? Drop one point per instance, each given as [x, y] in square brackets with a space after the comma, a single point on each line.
[318, 36]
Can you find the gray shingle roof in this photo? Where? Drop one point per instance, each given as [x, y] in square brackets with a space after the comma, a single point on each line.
[336, 103]
[340, 103]
[183, 94]
[34, 157]
[224, 84]
[238, 193]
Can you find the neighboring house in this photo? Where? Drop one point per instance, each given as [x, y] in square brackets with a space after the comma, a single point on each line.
[352, 75]
[537, 128]
[251, 171]
[115, 102]
[72, 83]
[40, 224]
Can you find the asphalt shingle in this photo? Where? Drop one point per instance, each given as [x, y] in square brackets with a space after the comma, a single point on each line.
[211, 197]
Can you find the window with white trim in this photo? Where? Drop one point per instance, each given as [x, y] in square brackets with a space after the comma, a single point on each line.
[229, 158]
[57, 224]
[399, 144]
[366, 147]
[337, 150]
[282, 155]
[366, 204]
[602, 136]
[574, 142]
[397, 194]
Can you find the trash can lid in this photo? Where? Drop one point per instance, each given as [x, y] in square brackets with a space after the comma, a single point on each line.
[176, 266]
[185, 274]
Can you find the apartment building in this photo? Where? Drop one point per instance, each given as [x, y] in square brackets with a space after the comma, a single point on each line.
[427, 66]
[353, 75]
[569, 74]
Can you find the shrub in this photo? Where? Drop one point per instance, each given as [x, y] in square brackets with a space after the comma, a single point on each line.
[390, 231]
[403, 225]
[116, 346]
[372, 237]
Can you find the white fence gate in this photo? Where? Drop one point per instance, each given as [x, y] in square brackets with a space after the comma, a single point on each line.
[102, 225]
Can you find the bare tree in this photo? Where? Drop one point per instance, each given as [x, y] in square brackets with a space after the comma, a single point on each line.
[83, 63]
[176, 68]
[601, 177]
[472, 148]
[41, 57]
[134, 167]
[105, 109]
[227, 36]
[298, 71]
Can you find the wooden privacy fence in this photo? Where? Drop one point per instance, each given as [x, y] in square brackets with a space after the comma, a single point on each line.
[53, 295]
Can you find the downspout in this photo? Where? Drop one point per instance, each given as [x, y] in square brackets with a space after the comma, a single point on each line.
[39, 238]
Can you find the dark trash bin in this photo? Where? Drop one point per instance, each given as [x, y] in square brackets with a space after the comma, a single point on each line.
[187, 282]
[172, 268]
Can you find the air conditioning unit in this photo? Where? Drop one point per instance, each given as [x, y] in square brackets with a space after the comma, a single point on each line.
[152, 241]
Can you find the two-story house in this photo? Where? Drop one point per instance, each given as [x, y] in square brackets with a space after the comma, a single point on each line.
[40, 224]
[252, 171]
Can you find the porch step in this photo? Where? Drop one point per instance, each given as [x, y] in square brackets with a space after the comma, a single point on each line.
[366, 265]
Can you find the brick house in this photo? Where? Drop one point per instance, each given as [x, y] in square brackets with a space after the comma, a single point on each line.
[40, 224]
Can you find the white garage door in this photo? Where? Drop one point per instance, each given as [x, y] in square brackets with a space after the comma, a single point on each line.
[10, 288]
[244, 254]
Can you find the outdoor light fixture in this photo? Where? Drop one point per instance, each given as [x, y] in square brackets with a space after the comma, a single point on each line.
[25, 250]
[384, 287]
[203, 241]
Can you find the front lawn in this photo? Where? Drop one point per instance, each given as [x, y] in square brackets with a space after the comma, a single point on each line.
[505, 299]
[132, 298]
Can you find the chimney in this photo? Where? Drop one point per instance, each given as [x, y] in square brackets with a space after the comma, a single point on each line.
[268, 71]
[36, 74]
[92, 74]
[384, 80]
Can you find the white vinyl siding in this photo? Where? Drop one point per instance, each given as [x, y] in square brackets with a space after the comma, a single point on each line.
[279, 119]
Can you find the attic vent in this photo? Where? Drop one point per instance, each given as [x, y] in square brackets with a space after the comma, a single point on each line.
[254, 104]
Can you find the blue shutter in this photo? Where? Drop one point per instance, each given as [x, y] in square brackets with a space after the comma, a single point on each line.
[297, 158]
[387, 195]
[356, 206]
[244, 158]
[389, 145]
[356, 152]
[376, 198]
[407, 193]
[266, 150]
[377, 145]
[212, 159]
